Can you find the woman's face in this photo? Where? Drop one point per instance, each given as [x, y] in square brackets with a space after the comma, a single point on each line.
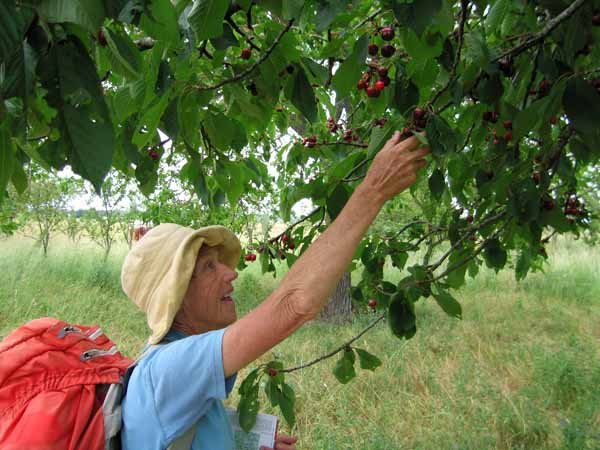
[208, 301]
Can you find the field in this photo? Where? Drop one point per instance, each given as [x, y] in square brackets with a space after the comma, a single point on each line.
[520, 371]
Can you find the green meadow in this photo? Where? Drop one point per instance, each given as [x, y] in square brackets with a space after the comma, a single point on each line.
[521, 370]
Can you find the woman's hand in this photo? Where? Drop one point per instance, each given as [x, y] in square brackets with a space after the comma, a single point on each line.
[395, 167]
[283, 442]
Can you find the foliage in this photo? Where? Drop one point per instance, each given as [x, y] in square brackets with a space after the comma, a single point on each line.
[507, 92]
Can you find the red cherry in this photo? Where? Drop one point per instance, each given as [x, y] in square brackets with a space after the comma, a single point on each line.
[285, 238]
[418, 113]
[362, 84]
[291, 246]
[496, 141]
[379, 85]
[469, 218]
[508, 136]
[507, 124]
[387, 33]
[536, 177]
[372, 303]
[388, 50]
[373, 49]
[272, 372]
[553, 120]
[102, 38]
[246, 53]
[382, 71]
[153, 154]
[372, 92]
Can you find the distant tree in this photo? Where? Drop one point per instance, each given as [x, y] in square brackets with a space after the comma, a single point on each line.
[102, 226]
[43, 205]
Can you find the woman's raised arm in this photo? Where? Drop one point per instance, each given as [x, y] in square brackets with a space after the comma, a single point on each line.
[307, 286]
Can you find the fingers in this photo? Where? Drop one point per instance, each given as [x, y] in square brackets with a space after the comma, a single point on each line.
[283, 442]
[419, 154]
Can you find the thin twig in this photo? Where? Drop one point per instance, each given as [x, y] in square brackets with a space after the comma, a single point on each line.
[242, 75]
[337, 350]
[464, 13]
[235, 26]
[470, 232]
[368, 19]
[312, 213]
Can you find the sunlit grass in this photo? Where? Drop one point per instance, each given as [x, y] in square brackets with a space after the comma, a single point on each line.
[520, 371]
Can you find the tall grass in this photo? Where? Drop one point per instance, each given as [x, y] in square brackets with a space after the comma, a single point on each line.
[520, 371]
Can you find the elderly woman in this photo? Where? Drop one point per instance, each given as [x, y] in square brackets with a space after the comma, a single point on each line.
[182, 279]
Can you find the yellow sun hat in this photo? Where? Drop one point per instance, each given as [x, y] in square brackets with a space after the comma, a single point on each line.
[157, 270]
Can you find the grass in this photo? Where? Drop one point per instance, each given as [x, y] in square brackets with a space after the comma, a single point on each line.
[520, 371]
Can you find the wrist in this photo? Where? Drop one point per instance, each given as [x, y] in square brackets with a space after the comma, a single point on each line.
[370, 195]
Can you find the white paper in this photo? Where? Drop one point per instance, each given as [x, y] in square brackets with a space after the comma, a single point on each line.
[262, 433]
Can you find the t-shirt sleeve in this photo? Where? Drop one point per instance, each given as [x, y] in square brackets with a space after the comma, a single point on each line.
[186, 376]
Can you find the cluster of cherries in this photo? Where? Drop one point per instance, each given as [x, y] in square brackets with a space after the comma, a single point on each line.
[250, 257]
[375, 89]
[573, 206]
[492, 117]
[387, 50]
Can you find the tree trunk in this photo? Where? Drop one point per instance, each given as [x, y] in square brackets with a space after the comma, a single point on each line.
[339, 307]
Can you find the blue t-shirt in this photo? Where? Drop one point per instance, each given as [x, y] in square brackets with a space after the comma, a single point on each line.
[172, 388]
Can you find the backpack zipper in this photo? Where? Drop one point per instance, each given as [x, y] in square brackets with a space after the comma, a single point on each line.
[97, 352]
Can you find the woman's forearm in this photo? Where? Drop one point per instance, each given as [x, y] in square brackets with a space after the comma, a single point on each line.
[316, 273]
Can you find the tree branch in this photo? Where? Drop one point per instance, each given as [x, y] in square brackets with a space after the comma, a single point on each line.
[540, 36]
[312, 213]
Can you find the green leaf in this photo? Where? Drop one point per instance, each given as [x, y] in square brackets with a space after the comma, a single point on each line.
[248, 408]
[417, 15]
[273, 392]
[344, 369]
[84, 121]
[336, 200]
[496, 15]
[291, 9]
[490, 89]
[160, 21]
[523, 265]
[582, 105]
[367, 360]
[125, 56]
[437, 184]
[87, 13]
[287, 399]
[527, 119]
[13, 24]
[7, 157]
[406, 95]
[348, 73]
[401, 317]
[494, 255]
[206, 18]
[303, 96]
[442, 139]
[148, 123]
[448, 303]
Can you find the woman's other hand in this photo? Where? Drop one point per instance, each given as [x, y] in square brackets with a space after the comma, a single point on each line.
[283, 442]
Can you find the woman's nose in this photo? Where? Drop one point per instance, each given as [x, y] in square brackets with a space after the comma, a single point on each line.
[231, 274]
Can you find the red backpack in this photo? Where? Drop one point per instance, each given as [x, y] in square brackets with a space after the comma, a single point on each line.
[61, 387]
